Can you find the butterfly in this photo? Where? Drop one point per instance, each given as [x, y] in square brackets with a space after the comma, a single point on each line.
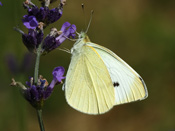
[97, 79]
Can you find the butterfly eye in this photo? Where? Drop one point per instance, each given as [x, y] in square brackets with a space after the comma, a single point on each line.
[80, 36]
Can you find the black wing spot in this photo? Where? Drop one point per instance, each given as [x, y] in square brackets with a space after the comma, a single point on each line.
[116, 84]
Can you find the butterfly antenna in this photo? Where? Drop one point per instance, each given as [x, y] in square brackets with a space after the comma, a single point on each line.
[70, 38]
[89, 21]
[82, 6]
[75, 31]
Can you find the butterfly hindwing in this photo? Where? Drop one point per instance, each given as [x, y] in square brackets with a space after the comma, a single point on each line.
[88, 85]
[129, 86]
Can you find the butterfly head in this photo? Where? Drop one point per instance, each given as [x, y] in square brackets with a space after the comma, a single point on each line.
[82, 40]
[83, 36]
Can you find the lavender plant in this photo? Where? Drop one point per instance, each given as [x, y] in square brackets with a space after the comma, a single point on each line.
[37, 89]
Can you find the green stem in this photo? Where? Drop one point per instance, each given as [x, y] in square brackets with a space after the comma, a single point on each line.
[36, 75]
[40, 120]
[36, 71]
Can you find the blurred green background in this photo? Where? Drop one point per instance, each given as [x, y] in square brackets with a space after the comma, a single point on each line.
[142, 32]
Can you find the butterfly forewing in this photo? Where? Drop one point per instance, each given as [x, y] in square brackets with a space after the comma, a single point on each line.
[129, 86]
[88, 86]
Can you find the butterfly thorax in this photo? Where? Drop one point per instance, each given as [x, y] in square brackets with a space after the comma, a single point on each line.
[82, 40]
[86, 38]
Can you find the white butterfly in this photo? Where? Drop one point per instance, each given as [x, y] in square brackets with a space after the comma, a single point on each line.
[97, 79]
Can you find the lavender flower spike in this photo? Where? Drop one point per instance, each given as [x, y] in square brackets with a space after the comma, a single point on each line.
[37, 94]
[55, 38]
[1, 3]
[30, 22]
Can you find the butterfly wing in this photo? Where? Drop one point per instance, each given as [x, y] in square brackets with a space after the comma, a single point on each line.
[128, 84]
[88, 86]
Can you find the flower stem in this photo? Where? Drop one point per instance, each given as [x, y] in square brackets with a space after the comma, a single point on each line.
[36, 71]
[40, 120]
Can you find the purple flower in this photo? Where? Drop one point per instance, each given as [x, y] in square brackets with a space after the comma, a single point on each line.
[33, 10]
[67, 30]
[32, 39]
[37, 94]
[55, 38]
[40, 14]
[54, 15]
[58, 73]
[30, 22]
[1, 4]
[45, 15]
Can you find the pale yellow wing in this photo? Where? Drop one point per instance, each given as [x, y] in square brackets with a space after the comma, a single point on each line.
[88, 86]
[128, 84]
